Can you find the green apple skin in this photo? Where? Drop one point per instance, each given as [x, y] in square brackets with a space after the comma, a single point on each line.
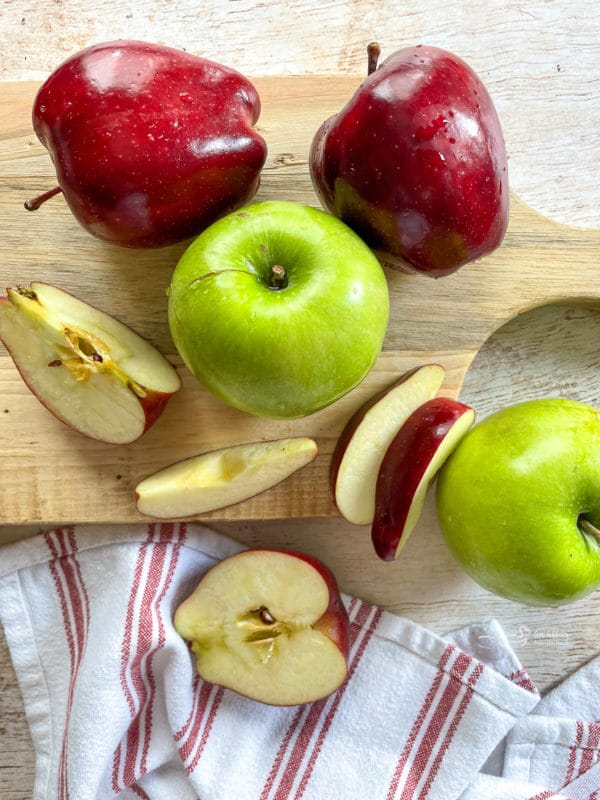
[278, 352]
[516, 498]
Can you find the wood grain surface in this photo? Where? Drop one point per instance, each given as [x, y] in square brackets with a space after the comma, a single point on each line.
[541, 62]
[51, 474]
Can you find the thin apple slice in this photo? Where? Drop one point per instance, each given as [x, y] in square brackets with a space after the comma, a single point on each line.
[90, 370]
[221, 477]
[365, 439]
[270, 625]
[410, 464]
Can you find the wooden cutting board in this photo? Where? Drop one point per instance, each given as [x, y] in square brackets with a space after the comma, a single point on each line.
[50, 474]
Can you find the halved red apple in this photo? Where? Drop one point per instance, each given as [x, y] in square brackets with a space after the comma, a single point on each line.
[222, 477]
[90, 370]
[366, 437]
[410, 464]
[270, 625]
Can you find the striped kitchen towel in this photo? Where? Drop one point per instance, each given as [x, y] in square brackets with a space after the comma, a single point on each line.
[116, 710]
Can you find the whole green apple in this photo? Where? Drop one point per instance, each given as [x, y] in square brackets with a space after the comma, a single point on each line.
[279, 309]
[519, 502]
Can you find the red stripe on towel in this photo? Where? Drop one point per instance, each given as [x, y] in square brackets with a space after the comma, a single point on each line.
[420, 720]
[337, 698]
[74, 604]
[451, 731]
[430, 739]
[292, 728]
[573, 753]
[144, 616]
[312, 719]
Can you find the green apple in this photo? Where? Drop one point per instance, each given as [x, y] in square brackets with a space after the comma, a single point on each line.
[519, 502]
[279, 309]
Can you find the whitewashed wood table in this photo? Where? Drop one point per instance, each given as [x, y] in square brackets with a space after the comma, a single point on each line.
[541, 63]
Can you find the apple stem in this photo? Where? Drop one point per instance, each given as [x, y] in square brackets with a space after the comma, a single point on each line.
[36, 202]
[277, 277]
[589, 528]
[373, 53]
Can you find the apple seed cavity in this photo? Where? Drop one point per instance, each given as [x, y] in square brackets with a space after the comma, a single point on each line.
[262, 629]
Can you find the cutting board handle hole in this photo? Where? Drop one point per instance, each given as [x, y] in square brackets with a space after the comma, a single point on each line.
[549, 351]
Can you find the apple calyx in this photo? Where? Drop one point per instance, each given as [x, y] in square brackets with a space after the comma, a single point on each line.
[587, 528]
[373, 53]
[36, 202]
[277, 277]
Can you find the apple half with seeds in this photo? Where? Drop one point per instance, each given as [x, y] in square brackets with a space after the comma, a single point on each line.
[411, 462]
[90, 370]
[270, 625]
[363, 442]
[222, 477]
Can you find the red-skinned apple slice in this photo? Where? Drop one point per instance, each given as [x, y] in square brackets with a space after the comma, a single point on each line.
[410, 464]
[366, 437]
[90, 370]
[270, 625]
[222, 477]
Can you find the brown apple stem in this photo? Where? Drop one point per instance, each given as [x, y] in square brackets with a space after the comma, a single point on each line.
[36, 202]
[589, 528]
[277, 277]
[373, 53]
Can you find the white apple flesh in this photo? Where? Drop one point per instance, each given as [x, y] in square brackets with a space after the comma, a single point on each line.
[90, 370]
[269, 625]
[365, 439]
[221, 477]
[410, 464]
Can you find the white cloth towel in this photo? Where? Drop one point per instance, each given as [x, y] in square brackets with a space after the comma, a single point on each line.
[115, 707]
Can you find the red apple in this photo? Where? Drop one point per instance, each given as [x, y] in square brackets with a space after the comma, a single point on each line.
[270, 625]
[221, 477]
[91, 371]
[410, 464]
[150, 144]
[416, 164]
[363, 442]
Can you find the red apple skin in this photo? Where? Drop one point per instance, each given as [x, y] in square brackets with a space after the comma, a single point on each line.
[408, 455]
[352, 425]
[153, 405]
[150, 144]
[416, 163]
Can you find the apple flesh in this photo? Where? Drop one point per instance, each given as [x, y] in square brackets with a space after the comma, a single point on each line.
[270, 625]
[409, 465]
[221, 477]
[278, 309]
[368, 434]
[416, 163]
[519, 502]
[91, 371]
[150, 144]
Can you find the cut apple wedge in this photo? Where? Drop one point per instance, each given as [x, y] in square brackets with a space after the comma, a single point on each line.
[90, 370]
[365, 439]
[221, 477]
[270, 625]
[410, 464]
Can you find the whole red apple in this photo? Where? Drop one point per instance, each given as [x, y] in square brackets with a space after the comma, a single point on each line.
[415, 162]
[150, 144]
